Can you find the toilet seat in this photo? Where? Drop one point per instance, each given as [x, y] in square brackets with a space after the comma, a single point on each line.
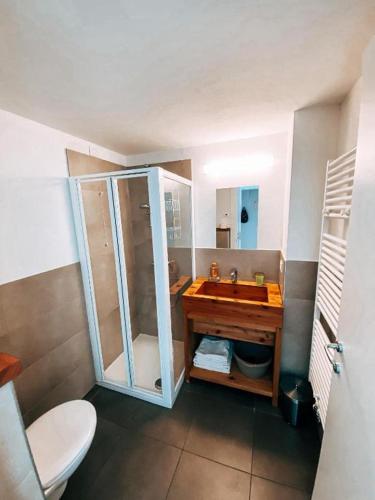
[59, 440]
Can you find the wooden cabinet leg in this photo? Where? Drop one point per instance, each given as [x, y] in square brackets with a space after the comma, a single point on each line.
[187, 349]
[276, 368]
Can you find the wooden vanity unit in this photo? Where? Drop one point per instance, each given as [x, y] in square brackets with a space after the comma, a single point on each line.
[241, 311]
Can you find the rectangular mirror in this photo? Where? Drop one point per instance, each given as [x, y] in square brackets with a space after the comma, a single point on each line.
[237, 217]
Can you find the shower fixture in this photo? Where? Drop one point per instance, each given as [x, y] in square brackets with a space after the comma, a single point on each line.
[146, 207]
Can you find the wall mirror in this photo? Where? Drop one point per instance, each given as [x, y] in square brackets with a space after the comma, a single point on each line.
[237, 217]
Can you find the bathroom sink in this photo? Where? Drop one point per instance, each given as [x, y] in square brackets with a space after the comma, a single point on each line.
[239, 291]
[242, 293]
[236, 303]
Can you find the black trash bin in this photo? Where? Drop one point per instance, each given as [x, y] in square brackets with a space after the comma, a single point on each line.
[296, 399]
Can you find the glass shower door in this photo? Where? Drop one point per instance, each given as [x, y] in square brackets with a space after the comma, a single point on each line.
[135, 240]
[96, 206]
[177, 197]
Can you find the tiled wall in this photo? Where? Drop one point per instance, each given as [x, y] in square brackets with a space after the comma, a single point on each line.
[299, 295]
[43, 322]
[144, 295]
[282, 273]
[247, 262]
[126, 211]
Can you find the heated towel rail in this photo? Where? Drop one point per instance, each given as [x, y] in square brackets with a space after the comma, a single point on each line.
[336, 215]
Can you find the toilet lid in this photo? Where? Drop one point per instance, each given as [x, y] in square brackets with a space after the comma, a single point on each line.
[58, 438]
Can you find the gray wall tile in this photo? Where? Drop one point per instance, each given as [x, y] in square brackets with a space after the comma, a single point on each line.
[300, 279]
[299, 296]
[297, 332]
[282, 266]
[247, 262]
[44, 323]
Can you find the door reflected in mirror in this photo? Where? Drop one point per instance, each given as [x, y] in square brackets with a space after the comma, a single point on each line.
[237, 217]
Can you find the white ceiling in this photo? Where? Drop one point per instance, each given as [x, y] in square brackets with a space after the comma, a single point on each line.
[144, 75]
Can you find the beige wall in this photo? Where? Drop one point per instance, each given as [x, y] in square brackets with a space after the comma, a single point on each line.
[83, 164]
[36, 223]
[314, 143]
[178, 167]
[349, 119]
[43, 322]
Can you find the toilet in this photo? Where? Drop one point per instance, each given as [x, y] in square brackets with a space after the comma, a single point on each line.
[59, 441]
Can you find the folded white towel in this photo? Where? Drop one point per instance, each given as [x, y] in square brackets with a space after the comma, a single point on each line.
[214, 354]
[213, 358]
[218, 349]
[211, 363]
[220, 369]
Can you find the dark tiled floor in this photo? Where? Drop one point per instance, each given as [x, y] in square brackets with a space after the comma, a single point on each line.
[215, 444]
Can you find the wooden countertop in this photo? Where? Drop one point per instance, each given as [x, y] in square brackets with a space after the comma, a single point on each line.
[273, 289]
[10, 368]
[179, 285]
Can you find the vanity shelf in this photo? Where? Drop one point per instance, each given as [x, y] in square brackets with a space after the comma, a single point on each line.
[239, 311]
[235, 379]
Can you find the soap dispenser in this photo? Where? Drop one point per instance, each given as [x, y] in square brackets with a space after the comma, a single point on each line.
[214, 272]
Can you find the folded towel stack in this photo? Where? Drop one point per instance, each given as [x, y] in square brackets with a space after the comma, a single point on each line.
[214, 354]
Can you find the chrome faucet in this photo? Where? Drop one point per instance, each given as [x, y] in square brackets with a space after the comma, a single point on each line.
[233, 275]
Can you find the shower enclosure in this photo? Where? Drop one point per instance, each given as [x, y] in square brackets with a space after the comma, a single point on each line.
[135, 242]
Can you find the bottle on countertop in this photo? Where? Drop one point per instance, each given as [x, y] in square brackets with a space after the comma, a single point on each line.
[259, 278]
[214, 272]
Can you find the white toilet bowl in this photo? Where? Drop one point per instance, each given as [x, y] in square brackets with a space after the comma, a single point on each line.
[59, 441]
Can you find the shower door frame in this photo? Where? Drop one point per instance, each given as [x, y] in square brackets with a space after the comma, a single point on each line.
[155, 179]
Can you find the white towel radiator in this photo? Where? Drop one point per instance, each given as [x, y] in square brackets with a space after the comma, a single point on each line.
[332, 255]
